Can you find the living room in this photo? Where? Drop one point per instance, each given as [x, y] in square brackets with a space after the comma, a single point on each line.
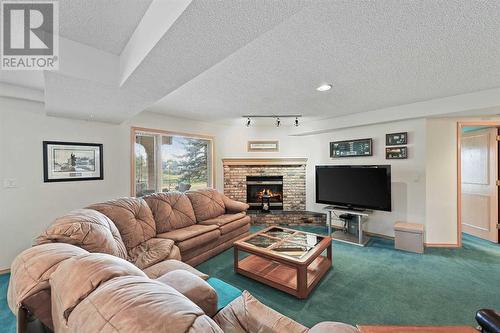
[261, 86]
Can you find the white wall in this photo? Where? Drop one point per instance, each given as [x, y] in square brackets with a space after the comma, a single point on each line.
[408, 176]
[27, 210]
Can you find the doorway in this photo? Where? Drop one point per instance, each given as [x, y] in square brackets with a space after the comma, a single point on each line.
[478, 175]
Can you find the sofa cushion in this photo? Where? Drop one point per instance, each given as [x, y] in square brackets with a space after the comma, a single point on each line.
[180, 235]
[207, 204]
[151, 252]
[247, 314]
[88, 229]
[132, 217]
[31, 270]
[228, 227]
[223, 219]
[194, 288]
[199, 240]
[170, 265]
[131, 304]
[171, 210]
[86, 273]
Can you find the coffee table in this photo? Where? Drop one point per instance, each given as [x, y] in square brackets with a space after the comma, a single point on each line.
[286, 259]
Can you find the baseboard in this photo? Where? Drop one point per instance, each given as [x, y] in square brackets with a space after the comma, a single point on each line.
[374, 234]
[4, 271]
[454, 245]
[449, 245]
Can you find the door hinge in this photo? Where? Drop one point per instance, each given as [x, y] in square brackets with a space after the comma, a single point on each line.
[498, 182]
[498, 137]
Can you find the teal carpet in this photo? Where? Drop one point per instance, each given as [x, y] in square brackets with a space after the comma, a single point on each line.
[7, 319]
[380, 285]
[371, 285]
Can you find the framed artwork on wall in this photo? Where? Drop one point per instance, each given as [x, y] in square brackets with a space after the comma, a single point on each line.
[263, 146]
[396, 139]
[396, 153]
[351, 148]
[72, 161]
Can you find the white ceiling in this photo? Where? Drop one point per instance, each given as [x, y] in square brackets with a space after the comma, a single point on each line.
[223, 59]
[376, 54]
[104, 24]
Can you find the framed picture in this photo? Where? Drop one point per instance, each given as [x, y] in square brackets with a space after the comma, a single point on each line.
[351, 148]
[263, 146]
[72, 161]
[396, 139]
[396, 153]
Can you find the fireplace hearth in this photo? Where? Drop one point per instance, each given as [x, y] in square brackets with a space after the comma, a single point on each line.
[265, 186]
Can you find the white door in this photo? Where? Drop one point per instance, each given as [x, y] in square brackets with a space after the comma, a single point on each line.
[479, 183]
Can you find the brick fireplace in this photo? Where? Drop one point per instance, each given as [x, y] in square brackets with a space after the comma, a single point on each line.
[292, 171]
[285, 178]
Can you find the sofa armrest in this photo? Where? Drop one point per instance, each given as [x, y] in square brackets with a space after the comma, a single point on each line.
[233, 206]
[333, 327]
[247, 314]
[194, 288]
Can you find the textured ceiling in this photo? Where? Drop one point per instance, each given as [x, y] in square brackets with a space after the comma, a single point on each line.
[223, 59]
[375, 53]
[206, 33]
[104, 24]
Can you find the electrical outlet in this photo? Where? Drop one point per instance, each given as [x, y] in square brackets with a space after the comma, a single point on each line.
[10, 183]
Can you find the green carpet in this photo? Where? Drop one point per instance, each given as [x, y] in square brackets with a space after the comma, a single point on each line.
[380, 285]
[371, 285]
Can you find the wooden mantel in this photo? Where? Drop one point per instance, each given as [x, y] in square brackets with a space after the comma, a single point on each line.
[264, 161]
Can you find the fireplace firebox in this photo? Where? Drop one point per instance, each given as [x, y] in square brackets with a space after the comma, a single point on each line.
[265, 186]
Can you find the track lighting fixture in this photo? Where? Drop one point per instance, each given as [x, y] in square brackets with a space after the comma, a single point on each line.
[277, 118]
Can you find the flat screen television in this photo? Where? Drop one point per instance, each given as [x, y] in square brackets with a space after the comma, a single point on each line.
[354, 186]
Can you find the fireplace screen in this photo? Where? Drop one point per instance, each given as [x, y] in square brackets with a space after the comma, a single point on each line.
[258, 186]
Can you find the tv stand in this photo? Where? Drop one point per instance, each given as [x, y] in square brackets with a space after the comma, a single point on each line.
[341, 235]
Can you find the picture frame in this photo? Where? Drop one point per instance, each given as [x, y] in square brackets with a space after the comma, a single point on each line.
[396, 139]
[351, 148]
[263, 146]
[396, 153]
[72, 161]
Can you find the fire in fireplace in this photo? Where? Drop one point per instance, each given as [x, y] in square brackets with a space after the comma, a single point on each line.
[258, 186]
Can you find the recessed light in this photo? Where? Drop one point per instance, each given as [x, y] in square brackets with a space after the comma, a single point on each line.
[324, 87]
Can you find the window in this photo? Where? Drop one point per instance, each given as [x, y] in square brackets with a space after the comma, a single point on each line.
[164, 161]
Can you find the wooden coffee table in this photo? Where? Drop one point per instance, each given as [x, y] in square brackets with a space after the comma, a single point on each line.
[286, 259]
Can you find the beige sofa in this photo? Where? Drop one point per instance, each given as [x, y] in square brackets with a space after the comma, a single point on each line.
[148, 232]
[95, 292]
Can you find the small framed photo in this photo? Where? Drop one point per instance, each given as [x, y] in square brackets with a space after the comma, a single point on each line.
[396, 153]
[263, 146]
[396, 139]
[72, 161]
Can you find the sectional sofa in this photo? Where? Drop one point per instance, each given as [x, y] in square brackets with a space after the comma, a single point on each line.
[116, 267]
[153, 233]
[97, 292]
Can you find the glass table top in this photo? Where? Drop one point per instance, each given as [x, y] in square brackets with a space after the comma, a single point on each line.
[287, 242]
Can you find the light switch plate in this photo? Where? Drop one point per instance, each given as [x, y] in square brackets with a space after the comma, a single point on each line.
[10, 183]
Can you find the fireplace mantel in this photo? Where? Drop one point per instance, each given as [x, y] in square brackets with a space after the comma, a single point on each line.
[264, 161]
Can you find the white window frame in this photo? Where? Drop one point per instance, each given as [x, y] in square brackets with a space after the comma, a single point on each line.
[158, 134]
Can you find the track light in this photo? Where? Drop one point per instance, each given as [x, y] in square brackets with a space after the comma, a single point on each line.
[278, 122]
[249, 121]
[296, 123]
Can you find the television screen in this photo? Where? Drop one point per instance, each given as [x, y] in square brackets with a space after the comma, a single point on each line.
[354, 186]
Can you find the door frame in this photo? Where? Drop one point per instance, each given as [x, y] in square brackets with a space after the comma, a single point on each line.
[460, 125]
